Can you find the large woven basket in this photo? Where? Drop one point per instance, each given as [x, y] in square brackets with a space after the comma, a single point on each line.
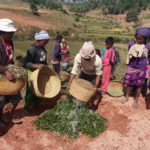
[45, 83]
[82, 90]
[115, 88]
[10, 88]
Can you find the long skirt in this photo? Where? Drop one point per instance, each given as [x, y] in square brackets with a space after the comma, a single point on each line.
[135, 77]
[30, 98]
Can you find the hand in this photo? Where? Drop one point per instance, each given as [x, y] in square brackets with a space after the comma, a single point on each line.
[68, 87]
[10, 76]
[40, 66]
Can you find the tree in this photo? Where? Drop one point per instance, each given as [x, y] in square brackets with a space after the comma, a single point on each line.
[132, 15]
[33, 7]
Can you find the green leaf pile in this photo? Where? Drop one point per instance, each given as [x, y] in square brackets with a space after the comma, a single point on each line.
[71, 117]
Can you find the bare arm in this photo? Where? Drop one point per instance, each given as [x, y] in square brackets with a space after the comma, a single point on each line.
[72, 76]
[97, 81]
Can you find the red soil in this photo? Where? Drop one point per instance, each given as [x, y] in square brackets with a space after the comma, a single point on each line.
[128, 129]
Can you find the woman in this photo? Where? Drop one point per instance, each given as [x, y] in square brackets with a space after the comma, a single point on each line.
[7, 31]
[137, 60]
[89, 63]
[35, 59]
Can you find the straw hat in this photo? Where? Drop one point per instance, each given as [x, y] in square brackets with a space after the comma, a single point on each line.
[115, 88]
[82, 90]
[45, 82]
[7, 25]
[10, 88]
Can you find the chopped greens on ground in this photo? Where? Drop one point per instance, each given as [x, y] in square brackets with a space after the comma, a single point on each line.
[18, 72]
[71, 117]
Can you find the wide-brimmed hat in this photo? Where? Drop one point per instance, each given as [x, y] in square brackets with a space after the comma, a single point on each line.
[7, 25]
[87, 50]
[42, 35]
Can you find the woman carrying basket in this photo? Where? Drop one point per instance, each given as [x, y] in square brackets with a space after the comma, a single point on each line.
[7, 31]
[137, 60]
[36, 58]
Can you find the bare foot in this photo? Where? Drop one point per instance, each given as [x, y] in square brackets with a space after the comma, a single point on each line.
[124, 101]
[134, 105]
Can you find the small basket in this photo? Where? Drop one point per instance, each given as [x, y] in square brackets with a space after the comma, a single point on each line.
[10, 88]
[82, 90]
[45, 83]
[115, 89]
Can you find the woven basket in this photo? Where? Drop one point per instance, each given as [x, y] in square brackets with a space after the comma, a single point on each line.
[45, 83]
[115, 88]
[10, 88]
[82, 90]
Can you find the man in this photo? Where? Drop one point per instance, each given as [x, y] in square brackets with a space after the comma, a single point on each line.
[7, 31]
[56, 54]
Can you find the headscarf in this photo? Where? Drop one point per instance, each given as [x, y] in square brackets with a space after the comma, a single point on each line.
[87, 50]
[42, 35]
[143, 31]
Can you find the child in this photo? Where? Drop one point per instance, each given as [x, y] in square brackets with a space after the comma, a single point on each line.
[107, 61]
[65, 56]
[138, 55]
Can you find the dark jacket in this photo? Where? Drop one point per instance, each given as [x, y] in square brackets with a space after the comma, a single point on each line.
[56, 52]
[36, 55]
[3, 57]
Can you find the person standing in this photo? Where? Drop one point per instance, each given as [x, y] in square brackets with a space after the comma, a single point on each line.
[65, 56]
[137, 60]
[56, 54]
[36, 58]
[7, 31]
[107, 61]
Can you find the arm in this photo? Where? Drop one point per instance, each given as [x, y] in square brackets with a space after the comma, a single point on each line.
[97, 81]
[75, 69]
[72, 76]
[98, 72]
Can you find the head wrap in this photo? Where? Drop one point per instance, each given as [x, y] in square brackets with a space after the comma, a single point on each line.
[143, 31]
[42, 35]
[87, 50]
[7, 25]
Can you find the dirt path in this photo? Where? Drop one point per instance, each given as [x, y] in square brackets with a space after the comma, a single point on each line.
[128, 129]
[26, 21]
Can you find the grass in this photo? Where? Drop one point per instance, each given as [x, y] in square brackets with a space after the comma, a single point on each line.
[75, 48]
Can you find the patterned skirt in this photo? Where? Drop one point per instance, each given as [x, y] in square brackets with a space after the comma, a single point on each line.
[135, 77]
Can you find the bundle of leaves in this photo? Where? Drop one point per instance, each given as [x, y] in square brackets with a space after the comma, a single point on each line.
[18, 72]
[71, 117]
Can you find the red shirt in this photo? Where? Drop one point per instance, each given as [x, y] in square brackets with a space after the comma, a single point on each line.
[9, 52]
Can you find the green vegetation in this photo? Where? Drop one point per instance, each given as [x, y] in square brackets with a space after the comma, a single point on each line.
[132, 15]
[110, 6]
[71, 117]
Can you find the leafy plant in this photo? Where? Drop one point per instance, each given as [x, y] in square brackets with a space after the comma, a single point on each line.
[71, 117]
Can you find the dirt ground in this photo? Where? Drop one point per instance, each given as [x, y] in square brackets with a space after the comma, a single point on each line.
[128, 129]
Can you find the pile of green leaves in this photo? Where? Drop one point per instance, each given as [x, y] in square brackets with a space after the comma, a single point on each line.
[71, 117]
[18, 72]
